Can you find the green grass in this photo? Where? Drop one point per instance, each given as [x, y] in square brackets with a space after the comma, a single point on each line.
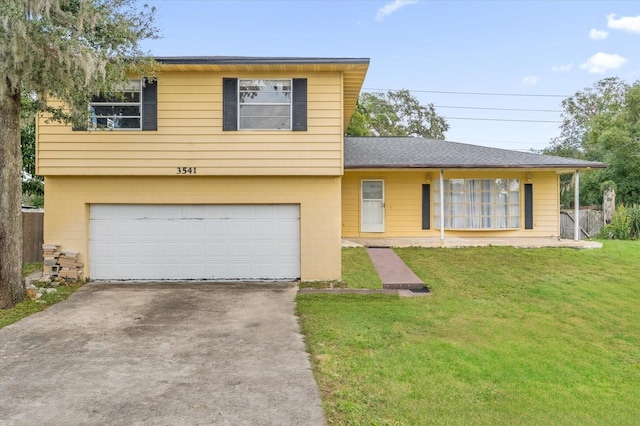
[30, 267]
[30, 307]
[508, 336]
[357, 269]
[357, 272]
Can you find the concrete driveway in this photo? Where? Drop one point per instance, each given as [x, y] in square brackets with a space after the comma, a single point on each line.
[160, 354]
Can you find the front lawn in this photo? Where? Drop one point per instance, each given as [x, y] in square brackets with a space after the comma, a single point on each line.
[28, 306]
[508, 336]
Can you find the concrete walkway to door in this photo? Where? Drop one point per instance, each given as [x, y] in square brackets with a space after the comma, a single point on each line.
[392, 270]
[160, 354]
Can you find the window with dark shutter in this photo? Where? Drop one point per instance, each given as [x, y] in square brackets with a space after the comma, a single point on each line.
[426, 206]
[257, 104]
[528, 206]
[136, 108]
[229, 104]
[150, 105]
[478, 204]
[299, 110]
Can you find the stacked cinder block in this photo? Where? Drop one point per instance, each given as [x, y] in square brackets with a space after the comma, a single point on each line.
[61, 263]
[70, 267]
[51, 255]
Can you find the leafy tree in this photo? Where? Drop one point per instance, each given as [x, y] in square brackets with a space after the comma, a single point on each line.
[580, 109]
[66, 50]
[395, 113]
[32, 184]
[359, 126]
[602, 123]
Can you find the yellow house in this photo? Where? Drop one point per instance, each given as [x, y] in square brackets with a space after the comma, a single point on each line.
[403, 187]
[237, 168]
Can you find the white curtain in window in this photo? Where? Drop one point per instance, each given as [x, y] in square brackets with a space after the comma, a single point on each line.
[472, 187]
[487, 203]
[478, 203]
[436, 204]
[456, 204]
[514, 203]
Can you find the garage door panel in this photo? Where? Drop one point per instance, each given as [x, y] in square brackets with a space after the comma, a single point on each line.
[194, 251]
[194, 241]
[217, 250]
[242, 268]
[239, 249]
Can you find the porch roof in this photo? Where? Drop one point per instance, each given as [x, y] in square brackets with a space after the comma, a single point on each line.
[410, 152]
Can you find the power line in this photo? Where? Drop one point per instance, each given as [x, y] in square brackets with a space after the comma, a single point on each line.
[474, 93]
[501, 119]
[500, 109]
[504, 141]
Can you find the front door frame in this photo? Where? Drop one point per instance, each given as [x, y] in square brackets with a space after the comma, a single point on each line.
[377, 227]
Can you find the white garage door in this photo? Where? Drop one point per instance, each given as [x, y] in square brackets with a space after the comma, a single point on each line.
[194, 242]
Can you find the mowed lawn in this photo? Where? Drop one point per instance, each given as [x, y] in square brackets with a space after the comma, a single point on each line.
[508, 336]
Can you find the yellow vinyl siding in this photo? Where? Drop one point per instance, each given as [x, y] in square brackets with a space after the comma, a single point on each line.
[68, 200]
[403, 203]
[190, 135]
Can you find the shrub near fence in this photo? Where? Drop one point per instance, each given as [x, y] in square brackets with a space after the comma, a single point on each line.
[32, 235]
[591, 221]
[625, 224]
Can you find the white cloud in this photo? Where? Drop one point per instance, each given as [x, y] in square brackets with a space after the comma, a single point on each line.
[562, 68]
[389, 8]
[603, 62]
[627, 23]
[531, 80]
[598, 34]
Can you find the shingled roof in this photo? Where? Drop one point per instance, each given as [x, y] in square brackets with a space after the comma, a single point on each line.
[409, 152]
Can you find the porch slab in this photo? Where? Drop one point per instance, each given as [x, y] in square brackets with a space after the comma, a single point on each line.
[393, 272]
[456, 242]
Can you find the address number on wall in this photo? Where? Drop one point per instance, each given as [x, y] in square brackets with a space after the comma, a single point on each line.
[186, 170]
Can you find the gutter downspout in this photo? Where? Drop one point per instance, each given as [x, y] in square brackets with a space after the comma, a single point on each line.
[441, 205]
[576, 205]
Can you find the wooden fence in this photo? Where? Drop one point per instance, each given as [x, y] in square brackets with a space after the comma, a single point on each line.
[591, 221]
[32, 235]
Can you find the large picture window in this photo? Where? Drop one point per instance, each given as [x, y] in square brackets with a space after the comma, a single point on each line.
[478, 204]
[122, 111]
[264, 104]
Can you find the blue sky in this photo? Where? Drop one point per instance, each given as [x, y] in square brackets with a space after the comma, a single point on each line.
[550, 49]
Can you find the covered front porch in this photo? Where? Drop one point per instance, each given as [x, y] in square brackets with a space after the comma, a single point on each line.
[458, 242]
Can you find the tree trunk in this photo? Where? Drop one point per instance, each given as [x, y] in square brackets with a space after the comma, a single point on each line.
[608, 204]
[11, 283]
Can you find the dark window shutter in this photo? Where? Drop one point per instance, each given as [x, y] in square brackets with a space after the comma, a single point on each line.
[150, 105]
[528, 206]
[299, 119]
[426, 206]
[229, 104]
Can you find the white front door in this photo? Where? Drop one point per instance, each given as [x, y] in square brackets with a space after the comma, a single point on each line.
[372, 196]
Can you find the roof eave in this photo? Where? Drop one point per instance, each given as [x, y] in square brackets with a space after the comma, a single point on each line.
[248, 60]
[567, 167]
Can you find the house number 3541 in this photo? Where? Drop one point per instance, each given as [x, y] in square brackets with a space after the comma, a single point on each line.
[186, 171]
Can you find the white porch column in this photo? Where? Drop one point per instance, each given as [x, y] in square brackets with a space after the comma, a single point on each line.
[441, 205]
[576, 205]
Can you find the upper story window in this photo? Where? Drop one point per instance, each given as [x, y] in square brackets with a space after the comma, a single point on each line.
[264, 104]
[122, 111]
